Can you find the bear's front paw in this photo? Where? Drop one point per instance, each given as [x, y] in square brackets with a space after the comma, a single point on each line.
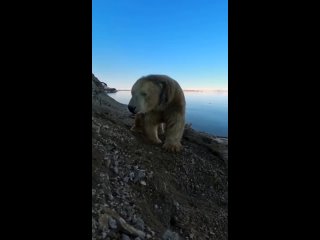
[156, 141]
[136, 129]
[172, 147]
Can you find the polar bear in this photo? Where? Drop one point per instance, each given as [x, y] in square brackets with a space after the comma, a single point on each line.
[159, 99]
[139, 124]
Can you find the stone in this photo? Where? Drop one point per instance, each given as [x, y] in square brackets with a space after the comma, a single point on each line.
[112, 223]
[139, 224]
[125, 237]
[169, 235]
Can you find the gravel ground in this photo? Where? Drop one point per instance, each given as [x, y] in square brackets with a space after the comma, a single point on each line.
[141, 192]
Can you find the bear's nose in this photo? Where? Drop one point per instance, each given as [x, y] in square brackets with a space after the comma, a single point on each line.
[131, 109]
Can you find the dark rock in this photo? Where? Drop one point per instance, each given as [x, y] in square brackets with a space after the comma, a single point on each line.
[139, 175]
[110, 90]
[112, 223]
[139, 224]
[125, 237]
[169, 235]
[115, 169]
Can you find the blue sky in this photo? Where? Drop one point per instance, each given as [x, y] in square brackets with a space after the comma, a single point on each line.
[185, 39]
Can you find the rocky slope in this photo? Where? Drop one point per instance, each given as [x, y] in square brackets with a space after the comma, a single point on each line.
[141, 192]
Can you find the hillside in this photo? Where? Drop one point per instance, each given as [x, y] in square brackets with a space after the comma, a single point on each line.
[141, 192]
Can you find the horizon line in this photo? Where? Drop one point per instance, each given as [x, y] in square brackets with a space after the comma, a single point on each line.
[188, 89]
[191, 90]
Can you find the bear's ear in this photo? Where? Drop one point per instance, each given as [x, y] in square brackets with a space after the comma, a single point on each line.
[164, 92]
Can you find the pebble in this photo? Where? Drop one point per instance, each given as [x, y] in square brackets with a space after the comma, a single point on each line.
[112, 223]
[169, 235]
[110, 196]
[177, 205]
[116, 170]
[125, 237]
[139, 224]
[139, 174]
[131, 176]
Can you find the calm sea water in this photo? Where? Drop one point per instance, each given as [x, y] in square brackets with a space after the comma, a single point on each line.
[206, 111]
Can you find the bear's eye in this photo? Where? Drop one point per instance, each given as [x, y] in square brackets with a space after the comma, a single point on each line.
[143, 94]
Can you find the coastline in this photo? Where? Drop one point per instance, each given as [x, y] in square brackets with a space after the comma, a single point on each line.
[190, 90]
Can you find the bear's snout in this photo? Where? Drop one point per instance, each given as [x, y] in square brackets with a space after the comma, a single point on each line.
[131, 108]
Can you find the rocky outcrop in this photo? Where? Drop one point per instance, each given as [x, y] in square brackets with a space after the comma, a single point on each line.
[141, 192]
[97, 86]
[110, 90]
[101, 85]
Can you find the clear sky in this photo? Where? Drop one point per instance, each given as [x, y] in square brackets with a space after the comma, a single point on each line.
[185, 39]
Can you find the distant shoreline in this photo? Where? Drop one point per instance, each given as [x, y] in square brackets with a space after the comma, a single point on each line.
[195, 90]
